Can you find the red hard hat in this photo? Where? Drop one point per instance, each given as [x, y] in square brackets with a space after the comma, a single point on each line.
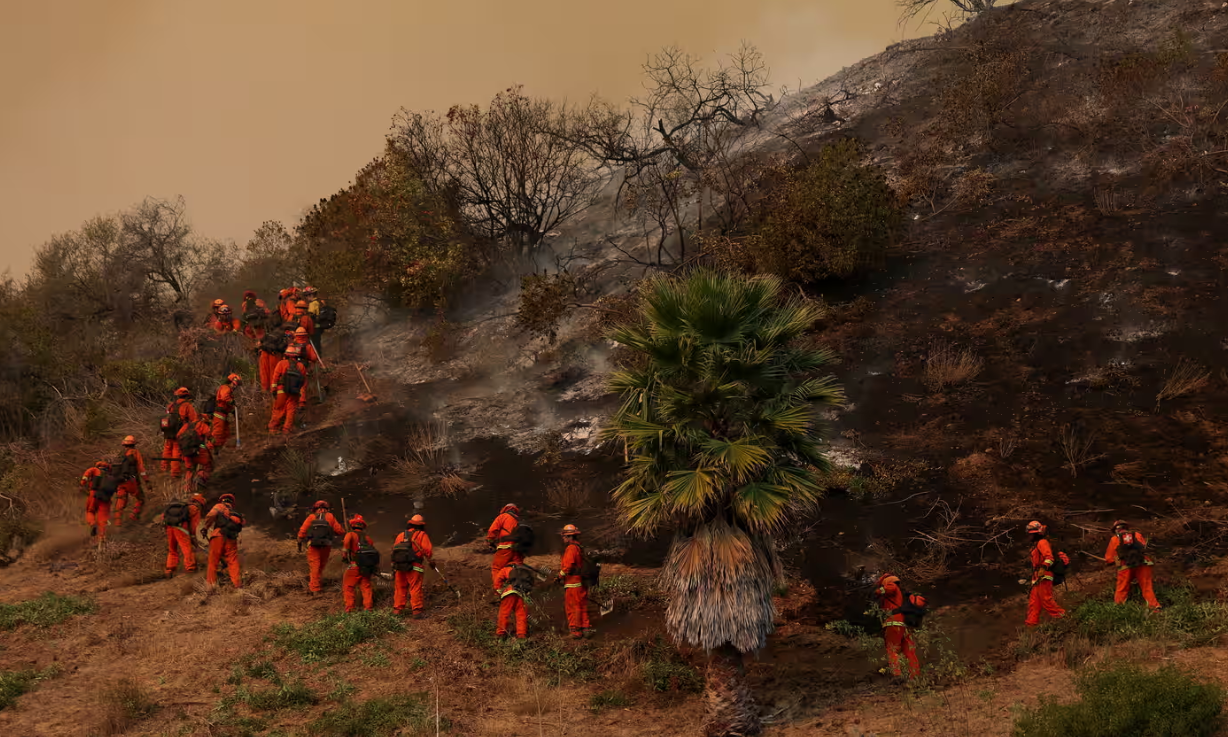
[571, 530]
[218, 302]
[294, 351]
[235, 379]
[199, 499]
[887, 578]
[309, 290]
[300, 331]
[417, 520]
[129, 440]
[510, 508]
[283, 293]
[320, 505]
[357, 521]
[1036, 527]
[183, 391]
[260, 303]
[102, 464]
[300, 305]
[1120, 523]
[227, 498]
[249, 294]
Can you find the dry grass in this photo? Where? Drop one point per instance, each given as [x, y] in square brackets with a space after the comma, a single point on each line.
[1133, 473]
[428, 461]
[947, 366]
[1076, 447]
[1186, 377]
[569, 497]
[1106, 200]
[124, 703]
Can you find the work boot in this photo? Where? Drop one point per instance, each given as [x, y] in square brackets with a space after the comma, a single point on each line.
[93, 530]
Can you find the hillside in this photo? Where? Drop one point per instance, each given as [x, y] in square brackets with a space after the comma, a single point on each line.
[1045, 342]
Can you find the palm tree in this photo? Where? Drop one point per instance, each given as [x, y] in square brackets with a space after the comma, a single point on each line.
[722, 433]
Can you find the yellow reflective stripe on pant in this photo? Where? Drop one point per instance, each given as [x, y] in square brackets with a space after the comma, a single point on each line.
[503, 546]
[419, 570]
[572, 585]
[894, 624]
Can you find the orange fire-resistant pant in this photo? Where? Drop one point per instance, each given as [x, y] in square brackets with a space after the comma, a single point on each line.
[317, 558]
[129, 489]
[1041, 598]
[353, 579]
[899, 641]
[503, 558]
[170, 449]
[221, 429]
[222, 548]
[268, 362]
[178, 542]
[284, 406]
[575, 603]
[1142, 574]
[97, 514]
[408, 588]
[513, 604]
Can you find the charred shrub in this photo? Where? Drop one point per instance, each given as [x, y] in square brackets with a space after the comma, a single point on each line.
[827, 219]
[545, 299]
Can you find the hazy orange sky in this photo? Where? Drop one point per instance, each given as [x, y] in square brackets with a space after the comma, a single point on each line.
[255, 109]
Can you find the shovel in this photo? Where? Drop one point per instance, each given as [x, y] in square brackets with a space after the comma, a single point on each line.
[606, 608]
[368, 396]
[238, 440]
[445, 580]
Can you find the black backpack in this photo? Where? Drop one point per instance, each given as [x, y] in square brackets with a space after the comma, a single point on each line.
[1060, 567]
[327, 317]
[125, 466]
[367, 558]
[405, 554]
[590, 572]
[176, 514]
[274, 342]
[292, 381]
[107, 487]
[190, 442]
[254, 318]
[320, 533]
[229, 526]
[522, 538]
[520, 579]
[1133, 553]
[209, 406]
[172, 421]
[914, 609]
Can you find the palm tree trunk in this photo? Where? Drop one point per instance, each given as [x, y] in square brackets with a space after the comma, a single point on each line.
[731, 708]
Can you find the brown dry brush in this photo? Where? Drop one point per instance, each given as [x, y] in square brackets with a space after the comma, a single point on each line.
[1186, 377]
[947, 366]
[1075, 443]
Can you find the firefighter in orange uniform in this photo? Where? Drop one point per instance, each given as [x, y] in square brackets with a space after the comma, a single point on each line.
[895, 633]
[317, 532]
[134, 479]
[1128, 549]
[96, 514]
[289, 386]
[197, 458]
[499, 537]
[1041, 596]
[224, 404]
[224, 525]
[180, 412]
[575, 593]
[226, 321]
[182, 520]
[513, 582]
[356, 546]
[414, 541]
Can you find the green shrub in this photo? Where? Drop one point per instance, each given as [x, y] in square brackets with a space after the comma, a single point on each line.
[672, 675]
[284, 695]
[830, 218]
[385, 717]
[14, 683]
[608, 700]
[45, 611]
[630, 591]
[547, 651]
[17, 532]
[1182, 621]
[1127, 701]
[335, 635]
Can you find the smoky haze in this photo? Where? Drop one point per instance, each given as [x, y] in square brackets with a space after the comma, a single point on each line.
[255, 109]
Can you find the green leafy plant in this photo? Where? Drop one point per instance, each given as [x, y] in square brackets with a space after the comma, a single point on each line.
[124, 703]
[14, 683]
[722, 429]
[335, 635]
[608, 700]
[47, 610]
[828, 219]
[1124, 700]
[383, 717]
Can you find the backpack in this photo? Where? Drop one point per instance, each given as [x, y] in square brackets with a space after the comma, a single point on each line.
[229, 526]
[172, 421]
[292, 381]
[367, 558]
[590, 572]
[190, 442]
[176, 514]
[1061, 565]
[522, 538]
[107, 487]
[327, 317]
[914, 609]
[1130, 551]
[209, 406]
[405, 554]
[520, 579]
[320, 533]
[274, 342]
[125, 466]
[254, 318]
